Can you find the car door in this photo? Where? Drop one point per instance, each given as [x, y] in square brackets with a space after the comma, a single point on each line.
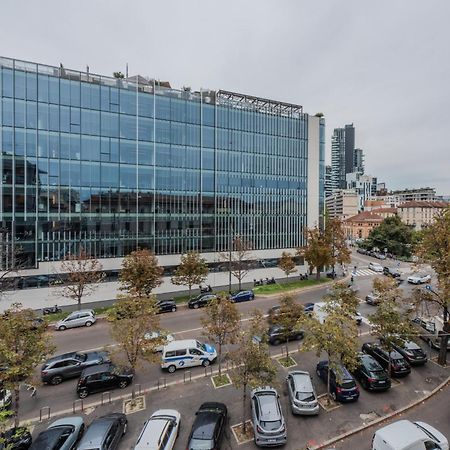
[196, 356]
[82, 319]
[113, 436]
[72, 368]
[171, 435]
[94, 382]
[291, 388]
[70, 321]
[108, 380]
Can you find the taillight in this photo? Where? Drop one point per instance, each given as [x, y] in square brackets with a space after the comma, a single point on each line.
[338, 390]
[371, 380]
[44, 372]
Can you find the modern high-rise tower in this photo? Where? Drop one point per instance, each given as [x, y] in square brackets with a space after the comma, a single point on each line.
[342, 155]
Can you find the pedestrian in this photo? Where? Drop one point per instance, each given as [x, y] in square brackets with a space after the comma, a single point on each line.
[352, 279]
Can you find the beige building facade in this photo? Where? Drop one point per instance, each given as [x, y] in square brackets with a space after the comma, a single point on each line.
[360, 225]
[342, 204]
[420, 214]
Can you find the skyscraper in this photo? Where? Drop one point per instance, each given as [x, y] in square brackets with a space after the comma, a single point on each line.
[342, 155]
[358, 160]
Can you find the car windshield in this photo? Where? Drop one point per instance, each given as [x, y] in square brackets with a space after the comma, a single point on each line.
[271, 425]
[348, 384]
[81, 357]
[377, 374]
[305, 396]
[371, 365]
[201, 444]
[201, 346]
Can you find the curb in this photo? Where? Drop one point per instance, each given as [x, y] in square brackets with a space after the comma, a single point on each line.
[381, 419]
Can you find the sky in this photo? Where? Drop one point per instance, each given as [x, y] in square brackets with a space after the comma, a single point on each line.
[382, 65]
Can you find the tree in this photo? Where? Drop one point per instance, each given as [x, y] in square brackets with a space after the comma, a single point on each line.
[317, 251]
[80, 275]
[191, 271]
[337, 334]
[140, 273]
[24, 343]
[221, 324]
[252, 363]
[287, 263]
[335, 237]
[434, 249]
[287, 318]
[131, 318]
[393, 235]
[239, 258]
[388, 323]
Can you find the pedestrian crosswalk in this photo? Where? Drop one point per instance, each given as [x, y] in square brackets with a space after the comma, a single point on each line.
[363, 272]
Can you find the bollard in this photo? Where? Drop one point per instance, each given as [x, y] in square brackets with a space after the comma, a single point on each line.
[162, 384]
[106, 394]
[136, 390]
[185, 375]
[283, 350]
[75, 403]
[41, 412]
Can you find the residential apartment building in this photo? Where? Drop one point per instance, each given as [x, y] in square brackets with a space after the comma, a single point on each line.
[395, 198]
[420, 214]
[342, 203]
[364, 185]
[115, 164]
[328, 182]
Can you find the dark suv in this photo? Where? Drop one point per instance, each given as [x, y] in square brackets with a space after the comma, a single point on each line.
[166, 306]
[15, 439]
[104, 433]
[201, 300]
[208, 427]
[276, 335]
[399, 365]
[70, 365]
[391, 272]
[371, 375]
[411, 352]
[102, 378]
[343, 387]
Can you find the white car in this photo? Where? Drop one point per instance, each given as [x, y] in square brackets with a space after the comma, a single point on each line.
[153, 335]
[82, 318]
[419, 278]
[376, 267]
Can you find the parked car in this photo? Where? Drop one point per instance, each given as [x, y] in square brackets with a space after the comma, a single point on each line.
[406, 435]
[343, 387]
[420, 278]
[62, 434]
[399, 366]
[276, 335]
[5, 398]
[432, 327]
[381, 256]
[375, 267]
[160, 431]
[201, 300]
[164, 339]
[166, 306]
[371, 375]
[411, 352]
[15, 439]
[82, 318]
[102, 378]
[70, 365]
[331, 274]
[308, 307]
[372, 298]
[104, 433]
[321, 314]
[242, 296]
[208, 427]
[269, 426]
[391, 272]
[302, 395]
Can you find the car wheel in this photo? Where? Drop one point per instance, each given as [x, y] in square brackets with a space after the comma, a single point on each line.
[206, 363]
[123, 384]
[83, 393]
[88, 323]
[62, 328]
[196, 306]
[174, 309]
[57, 379]
[171, 369]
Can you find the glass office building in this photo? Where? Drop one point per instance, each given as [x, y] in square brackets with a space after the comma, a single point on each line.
[115, 164]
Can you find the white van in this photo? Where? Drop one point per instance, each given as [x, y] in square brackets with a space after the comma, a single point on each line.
[320, 313]
[406, 435]
[187, 353]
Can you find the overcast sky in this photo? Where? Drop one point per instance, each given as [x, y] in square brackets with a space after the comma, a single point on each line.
[383, 65]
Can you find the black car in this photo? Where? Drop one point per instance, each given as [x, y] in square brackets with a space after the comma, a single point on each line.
[166, 306]
[102, 378]
[70, 365]
[399, 366]
[201, 300]
[343, 387]
[411, 352]
[104, 433]
[15, 439]
[276, 335]
[371, 375]
[391, 272]
[208, 427]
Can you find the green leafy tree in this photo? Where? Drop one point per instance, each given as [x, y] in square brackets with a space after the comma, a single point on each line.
[287, 318]
[389, 324]
[317, 251]
[192, 271]
[221, 324]
[140, 273]
[336, 334]
[287, 263]
[131, 319]
[335, 237]
[252, 363]
[392, 234]
[434, 249]
[239, 259]
[24, 343]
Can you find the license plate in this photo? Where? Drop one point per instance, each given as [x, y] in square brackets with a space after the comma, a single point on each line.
[382, 382]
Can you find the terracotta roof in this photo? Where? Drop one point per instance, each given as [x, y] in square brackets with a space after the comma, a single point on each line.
[365, 216]
[384, 210]
[424, 204]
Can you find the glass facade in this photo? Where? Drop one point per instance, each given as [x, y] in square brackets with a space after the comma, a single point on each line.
[114, 164]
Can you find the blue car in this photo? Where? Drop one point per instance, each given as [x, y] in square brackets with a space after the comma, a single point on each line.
[343, 387]
[242, 296]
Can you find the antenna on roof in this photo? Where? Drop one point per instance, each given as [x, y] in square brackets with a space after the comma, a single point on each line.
[126, 71]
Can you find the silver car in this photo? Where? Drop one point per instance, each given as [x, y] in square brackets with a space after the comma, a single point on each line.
[302, 394]
[82, 318]
[267, 417]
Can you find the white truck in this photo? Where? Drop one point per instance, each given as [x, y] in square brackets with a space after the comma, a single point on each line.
[406, 435]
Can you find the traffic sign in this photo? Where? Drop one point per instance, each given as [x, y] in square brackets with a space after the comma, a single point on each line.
[428, 287]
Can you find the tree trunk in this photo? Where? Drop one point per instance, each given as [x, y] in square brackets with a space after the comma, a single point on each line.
[244, 402]
[219, 359]
[190, 287]
[240, 280]
[16, 405]
[287, 348]
[318, 274]
[442, 358]
[79, 303]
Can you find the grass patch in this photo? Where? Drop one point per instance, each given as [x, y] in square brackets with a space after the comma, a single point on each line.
[289, 286]
[287, 361]
[221, 380]
[62, 315]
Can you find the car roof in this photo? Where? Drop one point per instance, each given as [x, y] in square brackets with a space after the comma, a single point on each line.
[70, 421]
[93, 437]
[400, 434]
[48, 438]
[411, 345]
[97, 369]
[302, 381]
[181, 344]
[61, 357]
[151, 434]
[206, 420]
[268, 405]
